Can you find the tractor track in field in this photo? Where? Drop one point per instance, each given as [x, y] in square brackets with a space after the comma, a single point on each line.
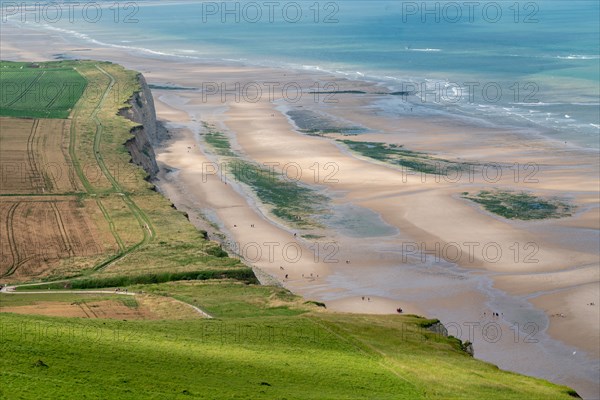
[63, 231]
[111, 226]
[37, 78]
[36, 178]
[12, 244]
[60, 92]
[70, 173]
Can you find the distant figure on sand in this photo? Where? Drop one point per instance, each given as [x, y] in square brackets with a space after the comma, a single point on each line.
[399, 310]
[286, 276]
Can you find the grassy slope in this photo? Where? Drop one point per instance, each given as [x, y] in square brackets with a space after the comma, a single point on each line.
[263, 343]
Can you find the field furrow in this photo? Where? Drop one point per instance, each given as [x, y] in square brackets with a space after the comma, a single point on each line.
[14, 253]
[27, 89]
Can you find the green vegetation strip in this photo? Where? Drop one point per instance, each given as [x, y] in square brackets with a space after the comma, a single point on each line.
[11, 300]
[229, 299]
[129, 301]
[396, 155]
[217, 140]
[170, 87]
[95, 282]
[291, 201]
[523, 206]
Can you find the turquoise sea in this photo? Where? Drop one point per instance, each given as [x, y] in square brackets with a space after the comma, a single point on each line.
[534, 65]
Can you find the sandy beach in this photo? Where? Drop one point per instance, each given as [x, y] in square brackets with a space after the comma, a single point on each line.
[419, 245]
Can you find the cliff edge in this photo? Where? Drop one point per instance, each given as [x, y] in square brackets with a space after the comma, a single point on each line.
[148, 133]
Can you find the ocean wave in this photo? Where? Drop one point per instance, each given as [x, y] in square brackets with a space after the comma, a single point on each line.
[425, 50]
[89, 39]
[579, 57]
[541, 104]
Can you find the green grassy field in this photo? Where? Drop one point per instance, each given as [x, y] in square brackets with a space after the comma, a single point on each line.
[230, 299]
[40, 90]
[262, 343]
[7, 300]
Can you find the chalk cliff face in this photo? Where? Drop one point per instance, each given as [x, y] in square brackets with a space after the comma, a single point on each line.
[148, 133]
